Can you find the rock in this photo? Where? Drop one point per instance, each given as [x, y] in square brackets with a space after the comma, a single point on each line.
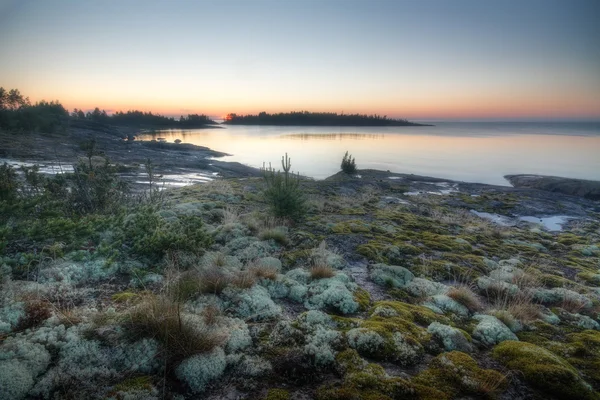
[574, 187]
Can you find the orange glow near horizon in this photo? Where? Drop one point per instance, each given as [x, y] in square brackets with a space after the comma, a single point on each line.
[469, 108]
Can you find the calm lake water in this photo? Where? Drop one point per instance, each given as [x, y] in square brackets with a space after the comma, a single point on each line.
[472, 152]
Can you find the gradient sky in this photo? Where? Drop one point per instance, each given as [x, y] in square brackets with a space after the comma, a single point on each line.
[413, 59]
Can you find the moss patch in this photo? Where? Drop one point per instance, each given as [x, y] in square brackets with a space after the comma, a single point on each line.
[543, 370]
[456, 373]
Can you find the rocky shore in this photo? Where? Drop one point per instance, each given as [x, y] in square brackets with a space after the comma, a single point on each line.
[555, 184]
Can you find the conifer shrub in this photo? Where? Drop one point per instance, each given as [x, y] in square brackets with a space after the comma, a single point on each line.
[283, 193]
[9, 184]
[151, 235]
[348, 164]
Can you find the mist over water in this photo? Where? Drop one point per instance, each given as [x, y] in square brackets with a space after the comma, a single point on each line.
[467, 151]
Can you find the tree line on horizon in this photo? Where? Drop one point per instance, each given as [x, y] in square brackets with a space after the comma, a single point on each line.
[315, 118]
[142, 119]
[18, 114]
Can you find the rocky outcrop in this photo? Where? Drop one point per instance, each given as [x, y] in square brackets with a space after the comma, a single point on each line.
[574, 187]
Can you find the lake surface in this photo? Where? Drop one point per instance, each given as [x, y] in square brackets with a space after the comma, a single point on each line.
[472, 152]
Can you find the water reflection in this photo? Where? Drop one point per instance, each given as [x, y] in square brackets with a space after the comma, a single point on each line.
[476, 152]
[332, 136]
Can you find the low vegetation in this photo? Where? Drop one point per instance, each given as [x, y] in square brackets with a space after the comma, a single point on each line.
[237, 286]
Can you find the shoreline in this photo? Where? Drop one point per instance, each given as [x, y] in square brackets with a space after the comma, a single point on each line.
[182, 164]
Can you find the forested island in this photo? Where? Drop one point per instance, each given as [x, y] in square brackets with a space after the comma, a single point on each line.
[317, 119]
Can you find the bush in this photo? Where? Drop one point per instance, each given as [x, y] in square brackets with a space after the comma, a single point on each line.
[96, 188]
[151, 235]
[8, 183]
[348, 164]
[283, 192]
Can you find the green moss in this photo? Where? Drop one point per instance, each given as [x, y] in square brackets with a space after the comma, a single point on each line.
[543, 370]
[290, 258]
[344, 323]
[369, 383]
[582, 350]
[352, 211]
[277, 394]
[409, 249]
[410, 312]
[349, 360]
[456, 373]
[351, 226]
[385, 327]
[473, 262]
[123, 297]
[539, 333]
[552, 281]
[435, 241]
[591, 278]
[373, 250]
[363, 298]
[136, 383]
[569, 239]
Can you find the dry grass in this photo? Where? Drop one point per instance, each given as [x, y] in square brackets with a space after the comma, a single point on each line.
[258, 222]
[464, 295]
[244, 279]
[278, 234]
[219, 186]
[492, 385]
[321, 271]
[213, 280]
[527, 278]
[520, 305]
[186, 286]
[572, 304]
[211, 314]
[36, 312]
[262, 271]
[230, 216]
[160, 318]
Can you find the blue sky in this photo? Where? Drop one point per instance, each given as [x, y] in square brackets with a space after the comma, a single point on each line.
[413, 59]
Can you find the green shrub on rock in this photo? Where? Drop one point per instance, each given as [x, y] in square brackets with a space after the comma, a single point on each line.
[283, 193]
[348, 164]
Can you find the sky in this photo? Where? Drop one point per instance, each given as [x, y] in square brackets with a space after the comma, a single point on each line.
[421, 60]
